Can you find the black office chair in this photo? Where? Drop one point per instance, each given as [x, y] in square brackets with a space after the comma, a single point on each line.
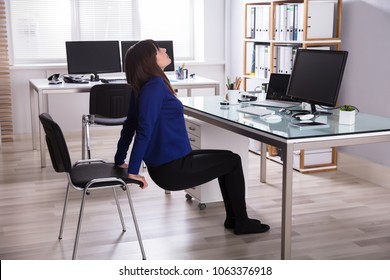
[86, 176]
[108, 105]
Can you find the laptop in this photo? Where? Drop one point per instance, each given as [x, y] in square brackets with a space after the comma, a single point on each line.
[276, 93]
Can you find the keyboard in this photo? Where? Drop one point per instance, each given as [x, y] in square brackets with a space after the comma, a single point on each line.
[255, 110]
[276, 103]
[113, 81]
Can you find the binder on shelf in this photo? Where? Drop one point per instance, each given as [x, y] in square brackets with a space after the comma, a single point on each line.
[250, 27]
[284, 59]
[267, 60]
[250, 58]
[277, 23]
[258, 22]
[295, 26]
[289, 22]
[320, 19]
[262, 61]
[266, 23]
[300, 15]
[283, 23]
[280, 58]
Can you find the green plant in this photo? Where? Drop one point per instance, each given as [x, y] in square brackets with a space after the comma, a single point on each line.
[347, 108]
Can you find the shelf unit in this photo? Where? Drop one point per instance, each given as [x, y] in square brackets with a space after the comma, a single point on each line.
[273, 30]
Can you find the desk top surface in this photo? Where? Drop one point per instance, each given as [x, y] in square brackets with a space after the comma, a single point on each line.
[44, 83]
[210, 106]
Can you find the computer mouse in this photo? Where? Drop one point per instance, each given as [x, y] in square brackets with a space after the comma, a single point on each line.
[224, 102]
[305, 117]
[285, 111]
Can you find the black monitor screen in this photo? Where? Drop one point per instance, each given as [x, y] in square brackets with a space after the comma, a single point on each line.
[168, 45]
[277, 86]
[316, 76]
[90, 57]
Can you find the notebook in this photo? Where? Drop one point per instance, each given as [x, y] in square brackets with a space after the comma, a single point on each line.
[276, 92]
[309, 125]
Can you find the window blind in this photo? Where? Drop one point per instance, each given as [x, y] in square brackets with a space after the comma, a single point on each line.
[108, 20]
[39, 30]
[6, 124]
[41, 27]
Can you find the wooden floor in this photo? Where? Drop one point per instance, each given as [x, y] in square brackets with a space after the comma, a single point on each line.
[335, 215]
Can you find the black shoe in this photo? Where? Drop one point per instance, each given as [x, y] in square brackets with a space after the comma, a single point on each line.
[231, 223]
[250, 226]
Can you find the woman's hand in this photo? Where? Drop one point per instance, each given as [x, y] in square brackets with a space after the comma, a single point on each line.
[138, 178]
[124, 166]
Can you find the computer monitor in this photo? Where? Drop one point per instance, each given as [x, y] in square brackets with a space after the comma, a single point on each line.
[168, 45]
[316, 76]
[93, 57]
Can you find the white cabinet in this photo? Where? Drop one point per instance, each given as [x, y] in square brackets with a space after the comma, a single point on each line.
[207, 136]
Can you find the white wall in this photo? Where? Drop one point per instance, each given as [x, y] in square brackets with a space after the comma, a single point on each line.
[67, 110]
[366, 82]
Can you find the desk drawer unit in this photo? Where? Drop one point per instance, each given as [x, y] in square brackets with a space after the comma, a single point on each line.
[206, 136]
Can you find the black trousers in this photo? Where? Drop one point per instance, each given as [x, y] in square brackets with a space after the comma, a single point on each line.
[201, 166]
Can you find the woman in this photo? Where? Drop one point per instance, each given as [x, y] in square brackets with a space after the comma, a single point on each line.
[161, 141]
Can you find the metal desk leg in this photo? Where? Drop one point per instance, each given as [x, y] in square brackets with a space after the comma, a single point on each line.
[263, 162]
[43, 101]
[33, 111]
[216, 90]
[287, 202]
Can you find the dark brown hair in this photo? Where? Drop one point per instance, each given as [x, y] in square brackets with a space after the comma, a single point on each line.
[141, 65]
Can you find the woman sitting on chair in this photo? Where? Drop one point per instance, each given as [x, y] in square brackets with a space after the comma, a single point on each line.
[156, 119]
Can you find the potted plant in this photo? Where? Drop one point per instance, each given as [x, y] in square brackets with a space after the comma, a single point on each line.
[347, 114]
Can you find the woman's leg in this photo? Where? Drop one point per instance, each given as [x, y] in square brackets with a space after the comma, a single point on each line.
[201, 166]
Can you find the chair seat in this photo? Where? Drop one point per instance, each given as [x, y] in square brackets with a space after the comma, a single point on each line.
[83, 173]
[108, 121]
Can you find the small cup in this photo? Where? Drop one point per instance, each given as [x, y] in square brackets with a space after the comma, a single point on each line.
[181, 75]
[233, 96]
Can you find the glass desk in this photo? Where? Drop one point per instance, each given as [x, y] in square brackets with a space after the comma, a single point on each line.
[367, 129]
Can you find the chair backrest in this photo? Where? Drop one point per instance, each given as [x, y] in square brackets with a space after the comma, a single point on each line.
[109, 100]
[59, 153]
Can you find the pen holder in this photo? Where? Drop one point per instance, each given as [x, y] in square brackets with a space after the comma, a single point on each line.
[182, 74]
[233, 95]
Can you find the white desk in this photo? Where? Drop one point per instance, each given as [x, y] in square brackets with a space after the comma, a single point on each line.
[367, 129]
[40, 91]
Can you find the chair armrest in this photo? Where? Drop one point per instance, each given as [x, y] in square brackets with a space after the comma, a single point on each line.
[85, 161]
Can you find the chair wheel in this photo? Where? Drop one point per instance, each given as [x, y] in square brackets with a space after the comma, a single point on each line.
[201, 206]
[188, 197]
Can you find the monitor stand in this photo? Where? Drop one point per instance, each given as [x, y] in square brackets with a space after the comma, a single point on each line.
[314, 110]
[95, 77]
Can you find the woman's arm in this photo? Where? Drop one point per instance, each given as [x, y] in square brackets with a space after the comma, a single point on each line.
[127, 132]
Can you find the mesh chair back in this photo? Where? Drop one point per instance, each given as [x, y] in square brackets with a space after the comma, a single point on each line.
[109, 100]
[56, 144]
